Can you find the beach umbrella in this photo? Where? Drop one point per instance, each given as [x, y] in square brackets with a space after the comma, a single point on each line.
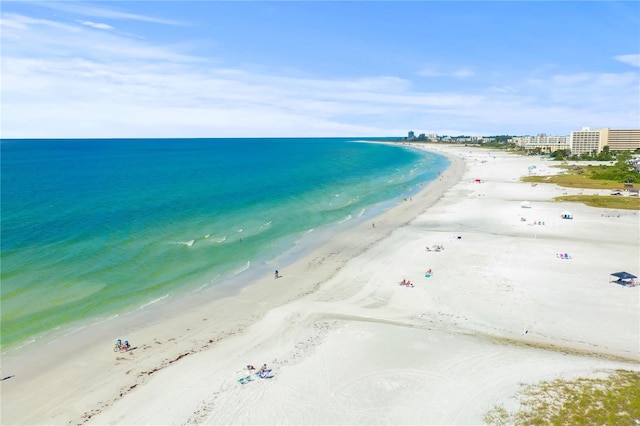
[624, 275]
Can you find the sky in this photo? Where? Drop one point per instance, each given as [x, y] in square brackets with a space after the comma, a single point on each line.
[113, 69]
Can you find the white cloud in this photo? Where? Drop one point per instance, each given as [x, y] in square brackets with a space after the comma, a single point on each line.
[633, 60]
[46, 38]
[96, 25]
[168, 99]
[459, 73]
[502, 89]
[572, 79]
[85, 98]
[12, 24]
[101, 12]
[23, 23]
[62, 80]
[464, 73]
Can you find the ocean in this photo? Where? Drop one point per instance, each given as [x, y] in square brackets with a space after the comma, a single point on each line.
[96, 228]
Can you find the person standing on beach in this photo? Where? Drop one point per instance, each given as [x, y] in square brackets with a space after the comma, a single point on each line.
[277, 275]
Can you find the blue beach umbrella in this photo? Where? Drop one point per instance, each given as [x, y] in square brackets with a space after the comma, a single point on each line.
[624, 275]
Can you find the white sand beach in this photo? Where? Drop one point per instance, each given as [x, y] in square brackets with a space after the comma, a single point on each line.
[347, 344]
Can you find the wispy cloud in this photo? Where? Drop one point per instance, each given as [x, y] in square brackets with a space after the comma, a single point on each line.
[46, 38]
[458, 73]
[96, 25]
[68, 80]
[181, 99]
[633, 60]
[21, 22]
[109, 13]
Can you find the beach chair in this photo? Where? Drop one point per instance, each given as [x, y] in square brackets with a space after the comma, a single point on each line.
[243, 380]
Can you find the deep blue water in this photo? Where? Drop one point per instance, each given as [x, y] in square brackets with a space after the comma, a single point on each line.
[92, 228]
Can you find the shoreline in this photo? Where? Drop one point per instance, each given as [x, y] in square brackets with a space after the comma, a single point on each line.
[173, 251]
[139, 317]
[281, 252]
[343, 327]
[237, 308]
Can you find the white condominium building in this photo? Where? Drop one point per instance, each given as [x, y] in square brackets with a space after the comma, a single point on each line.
[543, 142]
[587, 140]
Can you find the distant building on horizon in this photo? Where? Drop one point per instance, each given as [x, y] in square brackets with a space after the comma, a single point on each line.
[587, 140]
[578, 142]
[543, 142]
[622, 140]
[594, 141]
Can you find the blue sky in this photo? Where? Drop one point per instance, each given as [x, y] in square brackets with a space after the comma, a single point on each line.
[303, 68]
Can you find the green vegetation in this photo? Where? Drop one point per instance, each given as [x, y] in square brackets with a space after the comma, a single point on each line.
[607, 201]
[574, 181]
[605, 155]
[595, 177]
[561, 154]
[599, 177]
[614, 400]
[621, 171]
[499, 142]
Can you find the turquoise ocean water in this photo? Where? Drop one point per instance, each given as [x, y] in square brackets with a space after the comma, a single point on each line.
[93, 228]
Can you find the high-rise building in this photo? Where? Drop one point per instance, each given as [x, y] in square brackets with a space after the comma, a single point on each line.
[623, 140]
[592, 141]
[587, 140]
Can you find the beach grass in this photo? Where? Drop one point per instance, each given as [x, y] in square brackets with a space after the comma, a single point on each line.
[574, 180]
[612, 400]
[583, 177]
[603, 201]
